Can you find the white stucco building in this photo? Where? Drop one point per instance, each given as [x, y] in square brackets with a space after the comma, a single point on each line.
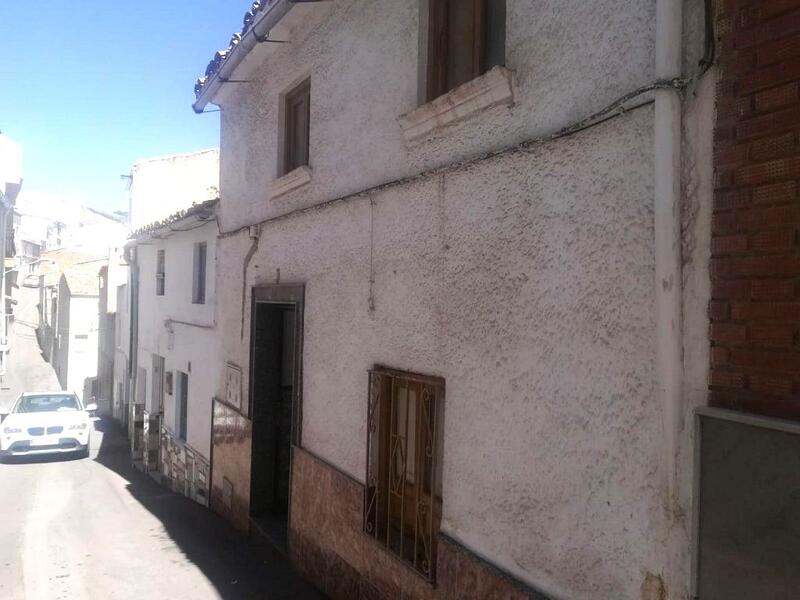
[110, 396]
[10, 185]
[164, 185]
[55, 222]
[173, 316]
[474, 238]
[74, 357]
[120, 408]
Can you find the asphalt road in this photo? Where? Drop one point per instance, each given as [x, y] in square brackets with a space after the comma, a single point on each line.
[95, 528]
[27, 371]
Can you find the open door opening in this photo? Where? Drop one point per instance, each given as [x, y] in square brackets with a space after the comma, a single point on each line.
[274, 408]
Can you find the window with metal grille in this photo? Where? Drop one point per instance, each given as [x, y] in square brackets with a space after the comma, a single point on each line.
[182, 404]
[466, 38]
[403, 494]
[160, 272]
[199, 274]
[297, 116]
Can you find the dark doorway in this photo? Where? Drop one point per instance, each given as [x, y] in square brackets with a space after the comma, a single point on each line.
[274, 406]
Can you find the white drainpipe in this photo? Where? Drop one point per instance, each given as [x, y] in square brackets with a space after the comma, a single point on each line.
[667, 184]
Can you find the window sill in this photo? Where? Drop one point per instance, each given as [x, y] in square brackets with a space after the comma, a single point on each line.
[291, 181]
[493, 88]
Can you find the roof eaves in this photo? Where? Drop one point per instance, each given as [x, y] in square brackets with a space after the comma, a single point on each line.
[258, 21]
[204, 210]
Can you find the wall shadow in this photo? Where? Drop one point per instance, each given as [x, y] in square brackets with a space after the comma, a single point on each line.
[237, 566]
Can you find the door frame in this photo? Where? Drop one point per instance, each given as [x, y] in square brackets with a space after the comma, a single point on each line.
[294, 294]
[157, 386]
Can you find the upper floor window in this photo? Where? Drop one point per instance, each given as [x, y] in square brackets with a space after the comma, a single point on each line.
[160, 272]
[296, 124]
[466, 39]
[199, 273]
[403, 503]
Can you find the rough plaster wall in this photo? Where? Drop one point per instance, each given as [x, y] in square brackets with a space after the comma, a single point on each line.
[569, 58]
[198, 346]
[526, 282]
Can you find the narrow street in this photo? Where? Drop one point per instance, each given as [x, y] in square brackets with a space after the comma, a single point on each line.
[28, 371]
[96, 528]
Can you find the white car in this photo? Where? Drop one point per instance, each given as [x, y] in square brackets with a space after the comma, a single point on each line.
[30, 280]
[46, 423]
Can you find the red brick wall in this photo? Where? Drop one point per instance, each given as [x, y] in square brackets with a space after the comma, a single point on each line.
[755, 266]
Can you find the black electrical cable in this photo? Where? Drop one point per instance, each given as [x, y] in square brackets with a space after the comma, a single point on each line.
[614, 109]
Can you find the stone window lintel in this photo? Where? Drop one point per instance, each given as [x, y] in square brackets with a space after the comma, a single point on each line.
[493, 88]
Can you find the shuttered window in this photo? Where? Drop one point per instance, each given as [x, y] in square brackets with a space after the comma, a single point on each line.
[297, 110]
[160, 272]
[466, 39]
[199, 273]
[182, 404]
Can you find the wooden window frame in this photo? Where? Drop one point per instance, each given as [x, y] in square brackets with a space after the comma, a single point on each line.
[439, 43]
[161, 272]
[403, 513]
[288, 162]
[199, 272]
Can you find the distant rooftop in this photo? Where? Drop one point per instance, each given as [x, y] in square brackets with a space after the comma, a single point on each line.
[203, 210]
[65, 259]
[83, 280]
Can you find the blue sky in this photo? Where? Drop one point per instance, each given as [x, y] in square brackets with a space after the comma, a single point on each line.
[88, 87]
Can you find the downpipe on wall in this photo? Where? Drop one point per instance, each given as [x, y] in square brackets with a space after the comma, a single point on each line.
[255, 236]
[667, 186]
[668, 275]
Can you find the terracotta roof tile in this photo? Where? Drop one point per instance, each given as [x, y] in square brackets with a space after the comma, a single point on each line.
[221, 55]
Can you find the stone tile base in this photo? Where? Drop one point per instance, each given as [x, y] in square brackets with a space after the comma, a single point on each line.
[328, 547]
[151, 427]
[136, 431]
[232, 437]
[183, 469]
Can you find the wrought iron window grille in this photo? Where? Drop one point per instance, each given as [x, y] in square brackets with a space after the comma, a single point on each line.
[402, 497]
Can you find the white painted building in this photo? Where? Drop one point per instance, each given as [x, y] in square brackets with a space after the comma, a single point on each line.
[113, 275]
[122, 339]
[517, 255]
[56, 222]
[10, 185]
[175, 338]
[164, 185]
[74, 356]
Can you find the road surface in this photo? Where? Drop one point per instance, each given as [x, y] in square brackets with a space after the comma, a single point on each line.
[27, 371]
[97, 529]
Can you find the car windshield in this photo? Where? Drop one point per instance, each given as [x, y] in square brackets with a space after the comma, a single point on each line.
[47, 403]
